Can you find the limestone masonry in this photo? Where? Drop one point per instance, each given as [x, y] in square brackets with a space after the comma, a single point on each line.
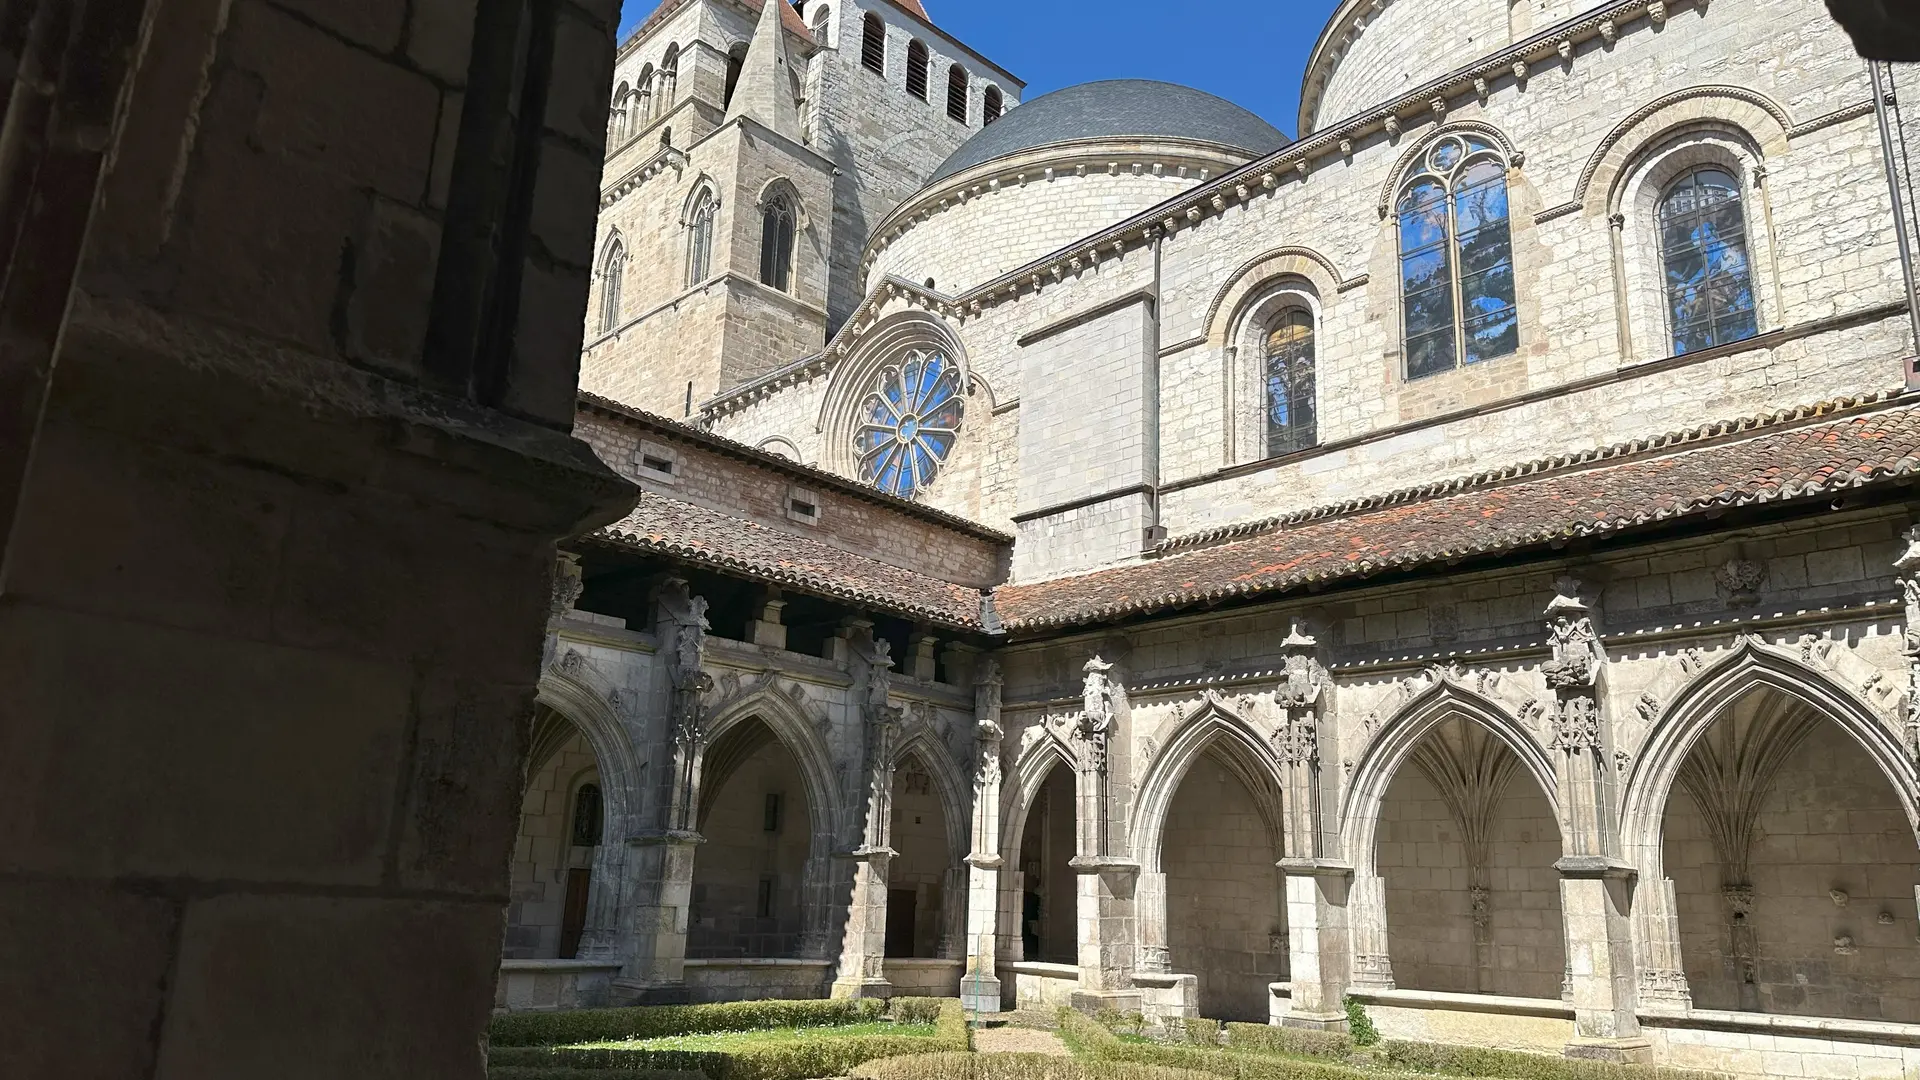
[1099, 550]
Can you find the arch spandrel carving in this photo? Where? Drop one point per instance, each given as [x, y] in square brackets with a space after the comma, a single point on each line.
[1042, 746]
[1717, 683]
[802, 738]
[1393, 743]
[1216, 725]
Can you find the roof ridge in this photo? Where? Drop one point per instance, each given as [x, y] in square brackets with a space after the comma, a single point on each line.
[1679, 441]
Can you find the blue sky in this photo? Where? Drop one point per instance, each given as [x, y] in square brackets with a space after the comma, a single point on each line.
[1250, 53]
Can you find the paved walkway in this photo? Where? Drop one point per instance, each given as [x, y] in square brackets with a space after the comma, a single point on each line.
[1012, 1040]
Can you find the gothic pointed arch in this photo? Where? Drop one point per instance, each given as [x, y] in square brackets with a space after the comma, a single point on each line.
[1034, 762]
[1749, 665]
[1393, 744]
[802, 739]
[1214, 727]
[575, 691]
[948, 784]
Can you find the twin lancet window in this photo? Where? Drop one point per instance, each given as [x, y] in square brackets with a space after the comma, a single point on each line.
[1456, 259]
[909, 423]
[776, 243]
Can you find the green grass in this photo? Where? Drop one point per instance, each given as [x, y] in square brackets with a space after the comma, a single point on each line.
[746, 1040]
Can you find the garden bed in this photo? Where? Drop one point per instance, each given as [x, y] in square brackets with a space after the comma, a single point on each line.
[773, 1040]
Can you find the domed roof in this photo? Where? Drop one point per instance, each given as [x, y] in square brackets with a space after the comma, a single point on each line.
[1116, 108]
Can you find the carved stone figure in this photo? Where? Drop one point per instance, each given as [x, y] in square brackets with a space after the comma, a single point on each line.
[1096, 717]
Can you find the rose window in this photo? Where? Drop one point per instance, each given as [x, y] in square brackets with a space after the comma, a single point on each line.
[909, 423]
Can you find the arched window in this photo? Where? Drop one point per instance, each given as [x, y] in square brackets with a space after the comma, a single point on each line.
[1703, 250]
[643, 112]
[990, 106]
[873, 43]
[736, 60]
[588, 819]
[823, 23]
[617, 116]
[909, 422]
[776, 243]
[1291, 419]
[1456, 259]
[917, 70]
[612, 272]
[700, 238]
[664, 81]
[957, 93]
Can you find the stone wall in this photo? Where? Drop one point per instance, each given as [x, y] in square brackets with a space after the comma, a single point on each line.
[1226, 921]
[1589, 140]
[742, 861]
[1372, 55]
[885, 141]
[1831, 903]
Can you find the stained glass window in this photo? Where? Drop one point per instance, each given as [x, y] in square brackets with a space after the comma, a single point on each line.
[909, 423]
[1291, 421]
[587, 816]
[1703, 247]
[1456, 259]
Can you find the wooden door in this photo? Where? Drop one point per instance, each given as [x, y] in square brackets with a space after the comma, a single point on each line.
[573, 917]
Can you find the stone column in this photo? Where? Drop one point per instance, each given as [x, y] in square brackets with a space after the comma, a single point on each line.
[862, 967]
[1318, 943]
[1663, 982]
[980, 987]
[1105, 877]
[1367, 927]
[660, 856]
[1595, 884]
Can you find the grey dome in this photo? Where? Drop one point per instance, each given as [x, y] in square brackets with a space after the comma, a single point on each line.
[1115, 108]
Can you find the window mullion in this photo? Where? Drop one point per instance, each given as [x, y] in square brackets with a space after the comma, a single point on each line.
[1453, 277]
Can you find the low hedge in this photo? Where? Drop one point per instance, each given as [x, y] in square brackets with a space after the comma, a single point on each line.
[1014, 1067]
[797, 1059]
[1516, 1065]
[1305, 1042]
[1089, 1038]
[660, 1021]
[592, 1074]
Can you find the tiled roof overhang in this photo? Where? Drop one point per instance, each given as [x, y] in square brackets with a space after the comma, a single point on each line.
[731, 545]
[1795, 454]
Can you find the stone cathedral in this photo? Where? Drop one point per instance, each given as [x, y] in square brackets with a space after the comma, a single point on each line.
[1097, 550]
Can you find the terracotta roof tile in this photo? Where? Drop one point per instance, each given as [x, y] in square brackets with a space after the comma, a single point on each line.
[1788, 455]
[709, 538]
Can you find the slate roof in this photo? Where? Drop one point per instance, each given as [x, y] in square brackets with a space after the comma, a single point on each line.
[734, 545]
[1115, 108]
[1793, 454]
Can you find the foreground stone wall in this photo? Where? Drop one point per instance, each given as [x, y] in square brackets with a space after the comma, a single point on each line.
[279, 518]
